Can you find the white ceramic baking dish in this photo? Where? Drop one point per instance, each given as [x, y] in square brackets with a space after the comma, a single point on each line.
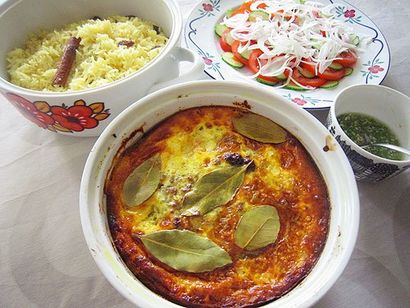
[325, 151]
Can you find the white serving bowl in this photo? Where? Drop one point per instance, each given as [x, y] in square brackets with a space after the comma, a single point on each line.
[147, 112]
[18, 18]
[380, 102]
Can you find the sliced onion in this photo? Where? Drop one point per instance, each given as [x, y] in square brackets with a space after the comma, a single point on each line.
[292, 34]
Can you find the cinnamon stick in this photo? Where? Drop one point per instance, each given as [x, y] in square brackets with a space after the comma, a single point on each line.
[66, 63]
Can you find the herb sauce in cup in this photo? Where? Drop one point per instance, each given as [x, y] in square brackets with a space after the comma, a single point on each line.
[363, 130]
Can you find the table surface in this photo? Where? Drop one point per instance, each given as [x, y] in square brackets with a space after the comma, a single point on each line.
[44, 260]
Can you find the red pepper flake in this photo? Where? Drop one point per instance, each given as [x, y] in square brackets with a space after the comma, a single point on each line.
[66, 63]
[126, 43]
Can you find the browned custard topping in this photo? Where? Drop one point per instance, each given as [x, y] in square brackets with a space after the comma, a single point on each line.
[264, 224]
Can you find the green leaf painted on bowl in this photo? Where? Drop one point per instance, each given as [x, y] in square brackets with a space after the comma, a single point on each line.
[257, 228]
[213, 190]
[259, 128]
[185, 250]
[142, 182]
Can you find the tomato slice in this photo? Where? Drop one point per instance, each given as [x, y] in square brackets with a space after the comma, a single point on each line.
[246, 6]
[296, 20]
[222, 41]
[253, 60]
[328, 74]
[349, 58]
[268, 78]
[316, 14]
[309, 67]
[235, 46]
[253, 65]
[312, 82]
[261, 6]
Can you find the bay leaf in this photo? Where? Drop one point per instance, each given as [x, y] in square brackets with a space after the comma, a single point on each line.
[142, 182]
[213, 190]
[185, 250]
[257, 228]
[259, 128]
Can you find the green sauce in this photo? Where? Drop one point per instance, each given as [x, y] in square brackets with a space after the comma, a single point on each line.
[363, 129]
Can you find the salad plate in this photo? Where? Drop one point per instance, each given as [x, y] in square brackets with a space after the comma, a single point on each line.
[371, 68]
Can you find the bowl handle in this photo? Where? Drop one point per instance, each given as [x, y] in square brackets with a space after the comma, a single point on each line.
[195, 72]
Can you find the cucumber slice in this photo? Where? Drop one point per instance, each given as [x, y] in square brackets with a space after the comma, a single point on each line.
[348, 71]
[317, 45]
[229, 58]
[305, 73]
[330, 84]
[293, 86]
[355, 40]
[335, 66]
[229, 12]
[281, 76]
[325, 15]
[267, 82]
[258, 14]
[246, 54]
[219, 29]
[229, 39]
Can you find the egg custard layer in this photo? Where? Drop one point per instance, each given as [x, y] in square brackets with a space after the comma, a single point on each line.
[190, 144]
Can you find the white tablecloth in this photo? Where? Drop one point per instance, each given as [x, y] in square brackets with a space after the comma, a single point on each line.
[44, 261]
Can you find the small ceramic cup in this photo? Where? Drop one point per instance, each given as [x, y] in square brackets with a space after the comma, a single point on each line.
[88, 112]
[388, 106]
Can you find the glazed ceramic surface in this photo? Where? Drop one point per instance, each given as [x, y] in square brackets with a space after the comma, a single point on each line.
[90, 110]
[385, 104]
[150, 110]
[372, 67]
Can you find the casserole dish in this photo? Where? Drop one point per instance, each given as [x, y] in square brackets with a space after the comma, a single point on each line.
[140, 117]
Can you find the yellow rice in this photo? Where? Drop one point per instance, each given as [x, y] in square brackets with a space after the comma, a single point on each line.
[99, 59]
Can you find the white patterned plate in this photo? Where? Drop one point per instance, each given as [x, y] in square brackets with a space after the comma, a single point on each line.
[372, 67]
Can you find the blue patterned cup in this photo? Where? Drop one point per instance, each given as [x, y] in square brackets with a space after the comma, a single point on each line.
[388, 106]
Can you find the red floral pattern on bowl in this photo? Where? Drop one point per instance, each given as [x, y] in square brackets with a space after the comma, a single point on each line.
[75, 118]
[30, 110]
[71, 119]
